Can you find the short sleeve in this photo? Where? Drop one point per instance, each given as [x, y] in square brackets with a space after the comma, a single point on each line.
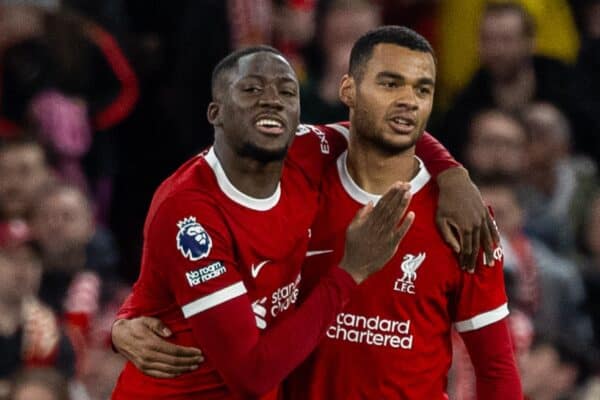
[189, 244]
[481, 299]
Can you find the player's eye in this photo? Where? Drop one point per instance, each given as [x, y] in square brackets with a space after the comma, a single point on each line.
[252, 89]
[424, 90]
[288, 92]
[389, 84]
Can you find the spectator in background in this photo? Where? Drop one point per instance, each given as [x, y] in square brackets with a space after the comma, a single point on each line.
[78, 259]
[23, 170]
[590, 244]
[68, 78]
[557, 186]
[40, 384]
[30, 334]
[340, 24]
[553, 369]
[496, 144]
[511, 76]
[547, 287]
[587, 79]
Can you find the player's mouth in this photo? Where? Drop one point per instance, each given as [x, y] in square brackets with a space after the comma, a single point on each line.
[269, 125]
[402, 124]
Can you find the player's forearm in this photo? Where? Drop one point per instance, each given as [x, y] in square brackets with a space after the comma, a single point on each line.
[252, 364]
[491, 353]
[435, 156]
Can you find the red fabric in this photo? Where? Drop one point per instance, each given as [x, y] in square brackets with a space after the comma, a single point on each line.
[435, 156]
[251, 364]
[122, 106]
[491, 352]
[217, 263]
[392, 340]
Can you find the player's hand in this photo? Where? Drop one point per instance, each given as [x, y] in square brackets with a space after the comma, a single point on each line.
[463, 219]
[376, 231]
[141, 341]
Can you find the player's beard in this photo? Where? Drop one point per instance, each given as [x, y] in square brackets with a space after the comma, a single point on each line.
[262, 155]
[369, 131]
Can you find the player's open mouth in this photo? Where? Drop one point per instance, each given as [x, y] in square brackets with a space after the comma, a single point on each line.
[402, 125]
[269, 126]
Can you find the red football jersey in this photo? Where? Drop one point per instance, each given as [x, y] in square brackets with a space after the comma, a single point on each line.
[206, 243]
[393, 339]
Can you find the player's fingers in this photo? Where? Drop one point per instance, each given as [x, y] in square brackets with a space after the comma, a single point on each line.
[491, 224]
[169, 367]
[450, 235]
[173, 350]
[156, 326]
[404, 226]
[472, 260]
[158, 374]
[487, 242]
[390, 211]
[466, 244]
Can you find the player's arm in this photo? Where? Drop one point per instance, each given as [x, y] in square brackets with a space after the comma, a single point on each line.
[220, 311]
[480, 310]
[142, 340]
[491, 353]
[462, 217]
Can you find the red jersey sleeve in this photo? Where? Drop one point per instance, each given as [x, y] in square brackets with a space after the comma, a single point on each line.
[190, 248]
[435, 156]
[491, 353]
[480, 299]
[193, 251]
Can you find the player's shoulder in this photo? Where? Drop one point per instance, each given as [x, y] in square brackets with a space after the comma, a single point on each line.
[190, 188]
[326, 138]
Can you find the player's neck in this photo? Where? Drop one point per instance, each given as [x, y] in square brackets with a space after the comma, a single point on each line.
[249, 176]
[374, 171]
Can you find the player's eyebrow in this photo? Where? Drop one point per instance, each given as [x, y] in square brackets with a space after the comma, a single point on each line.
[282, 78]
[400, 77]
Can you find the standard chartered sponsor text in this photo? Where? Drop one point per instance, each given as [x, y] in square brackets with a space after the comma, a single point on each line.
[373, 331]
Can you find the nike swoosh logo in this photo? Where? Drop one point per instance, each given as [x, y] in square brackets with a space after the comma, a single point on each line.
[255, 269]
[317, 252]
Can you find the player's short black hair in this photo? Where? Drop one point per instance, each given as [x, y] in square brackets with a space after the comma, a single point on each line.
[503, 6]
[393, 34]
[231, 61]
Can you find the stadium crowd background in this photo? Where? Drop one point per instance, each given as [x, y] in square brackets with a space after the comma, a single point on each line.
[101, 100]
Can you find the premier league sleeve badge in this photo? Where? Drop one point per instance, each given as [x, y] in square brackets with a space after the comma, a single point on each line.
[192, 240]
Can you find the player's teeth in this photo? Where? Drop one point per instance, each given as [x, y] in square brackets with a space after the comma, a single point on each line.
[269, 122]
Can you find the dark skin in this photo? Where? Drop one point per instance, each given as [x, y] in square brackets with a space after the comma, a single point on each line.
[240, 100]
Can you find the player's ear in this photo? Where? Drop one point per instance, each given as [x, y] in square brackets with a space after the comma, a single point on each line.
[214, 113]
[347, 90]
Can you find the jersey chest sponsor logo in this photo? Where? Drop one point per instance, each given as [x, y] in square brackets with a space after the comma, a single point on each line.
[279, 301]
[192, 240]
[206, 273]
[372, 330]
[410, 265]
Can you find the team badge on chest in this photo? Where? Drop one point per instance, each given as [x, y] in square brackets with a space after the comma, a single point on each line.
[410, 265]
[192, 240]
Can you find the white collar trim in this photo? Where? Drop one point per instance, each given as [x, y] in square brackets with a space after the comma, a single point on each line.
[234, 193]
[363, 197]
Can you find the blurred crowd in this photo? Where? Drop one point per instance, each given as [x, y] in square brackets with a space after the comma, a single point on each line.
[101, 100]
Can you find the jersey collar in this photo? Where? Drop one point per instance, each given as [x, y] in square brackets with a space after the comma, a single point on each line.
[363, 197]
[236, 195]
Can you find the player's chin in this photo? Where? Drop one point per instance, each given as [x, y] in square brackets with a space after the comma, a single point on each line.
[399, 143]
[265, 153]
